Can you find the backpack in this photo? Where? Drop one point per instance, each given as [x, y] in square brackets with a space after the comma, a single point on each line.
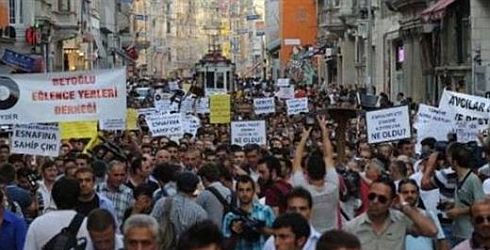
[67, 238]
[168, 237]
[227, 206]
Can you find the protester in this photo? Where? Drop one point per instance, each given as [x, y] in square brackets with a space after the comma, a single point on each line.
[89, 199]
[339, 240]
[102, 229]
[480, 218]
[12, 228]
[202, 235]
[140, 233]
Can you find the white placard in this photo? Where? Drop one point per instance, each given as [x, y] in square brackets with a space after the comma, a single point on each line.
[64, 96]
[36, 139]
[467, 131]
[286, 92]
[283, 82]
[147, 111]
[187, 105]
[202, 105]
[388, 124]
[431, 122]
[163, 104]
[248, 132]
[264, 105]
[169, 125]
[297, 106]
[465, 108]
[112, 124]
[191, 124]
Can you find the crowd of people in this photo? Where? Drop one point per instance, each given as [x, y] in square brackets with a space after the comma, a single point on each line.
[135, 191]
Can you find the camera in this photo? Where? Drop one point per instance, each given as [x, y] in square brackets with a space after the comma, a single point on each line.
[251, 227]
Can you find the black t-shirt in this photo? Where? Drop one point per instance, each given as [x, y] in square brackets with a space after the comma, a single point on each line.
[87, 206]
[153, 185]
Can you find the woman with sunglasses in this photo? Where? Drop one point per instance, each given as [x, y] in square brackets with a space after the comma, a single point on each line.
[382, 227]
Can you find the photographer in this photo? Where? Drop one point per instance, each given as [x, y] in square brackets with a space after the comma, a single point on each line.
[248, 226]
[468, 189]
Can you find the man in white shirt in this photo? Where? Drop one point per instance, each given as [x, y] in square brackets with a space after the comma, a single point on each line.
[65, 194]
[299, 200]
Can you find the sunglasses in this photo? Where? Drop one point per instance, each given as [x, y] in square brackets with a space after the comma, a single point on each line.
[381, 198]
[481, 219]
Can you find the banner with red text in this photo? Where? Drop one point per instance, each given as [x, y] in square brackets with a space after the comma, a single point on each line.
[63, 96]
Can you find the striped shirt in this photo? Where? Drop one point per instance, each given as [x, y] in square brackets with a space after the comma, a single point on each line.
[121, 198]
[184, 213]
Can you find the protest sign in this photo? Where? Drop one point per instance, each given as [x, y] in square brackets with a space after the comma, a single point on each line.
[187, 105]
[264, 105]
[78, 130]
[202, 105]
[220, 109]
[169, 125]
[465, 107]
[64, 96]
[191, 124]
[388, 124]
[246, 132]
[173, 85]
[283, 82]
[163, 104]
[132, 119]
[36, 139]
[466, 131]
[431, 122]
[147, 111]
[297, 106]
[286, 93]
[112, 124]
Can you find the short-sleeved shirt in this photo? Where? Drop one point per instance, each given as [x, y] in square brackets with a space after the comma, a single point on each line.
[122, 199]
[259, 212]
[324, 214]
[467, 245]
[422, 242]
[467, 192]
[275, 196]
[212, 204]
[393, 237]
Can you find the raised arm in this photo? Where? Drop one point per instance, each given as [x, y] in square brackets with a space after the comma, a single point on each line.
[327, 144]
[430, 166]
[298, 153]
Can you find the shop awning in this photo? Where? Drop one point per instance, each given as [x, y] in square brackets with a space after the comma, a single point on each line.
[436, 11]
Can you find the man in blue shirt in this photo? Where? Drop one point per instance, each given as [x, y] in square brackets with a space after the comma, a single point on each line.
[12, 229]
[249, 228]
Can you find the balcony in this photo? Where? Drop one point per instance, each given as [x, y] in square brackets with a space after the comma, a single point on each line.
[66, 25]
[407, 5]
[43, 10]
[328, 19]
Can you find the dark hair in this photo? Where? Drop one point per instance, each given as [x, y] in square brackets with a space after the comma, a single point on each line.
[47, 164]
[403, 142]
[166, 172]
[429, 141]
[236, 148]
[245, 179]
[5, 146]
[461, 154]
[210, 171]
[143, 189]
[200, 235]
[300, 192]
[223, 147]
[387, 182]
[65, 193]
[24, 172]
[99, 220]
[251, 147]
[407, 181]
[136, 164]
[171, 144]
[273, 164]
[187, 182]
[337, 239]
[7, 173]
[13, 158]
[298, 224]
[68, 159]
[315, 167]
[83, 156]
[85, 170]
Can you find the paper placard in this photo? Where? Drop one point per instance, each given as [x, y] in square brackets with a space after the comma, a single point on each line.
[202, 105]
[388, 124]
[191, 124]
[112, 124]
[169, 125]
[36, 139]
[63, 96]
[283, 82]
[465, 107]
[77, 130]
[297, 106]
[264, 105]
[220, 109]
[248, 132]
[132, 119]
[286, 93]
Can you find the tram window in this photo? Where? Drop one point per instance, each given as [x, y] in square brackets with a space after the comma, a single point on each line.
[210, 80]
[220, 81]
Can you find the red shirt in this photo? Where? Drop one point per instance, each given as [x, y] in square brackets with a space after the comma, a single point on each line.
[275, 196]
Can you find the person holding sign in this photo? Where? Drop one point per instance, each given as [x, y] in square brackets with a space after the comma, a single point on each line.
[320, 178]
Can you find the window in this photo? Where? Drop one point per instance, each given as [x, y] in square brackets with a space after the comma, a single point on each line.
[220, 80]
[64, 5]
[12, 4]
